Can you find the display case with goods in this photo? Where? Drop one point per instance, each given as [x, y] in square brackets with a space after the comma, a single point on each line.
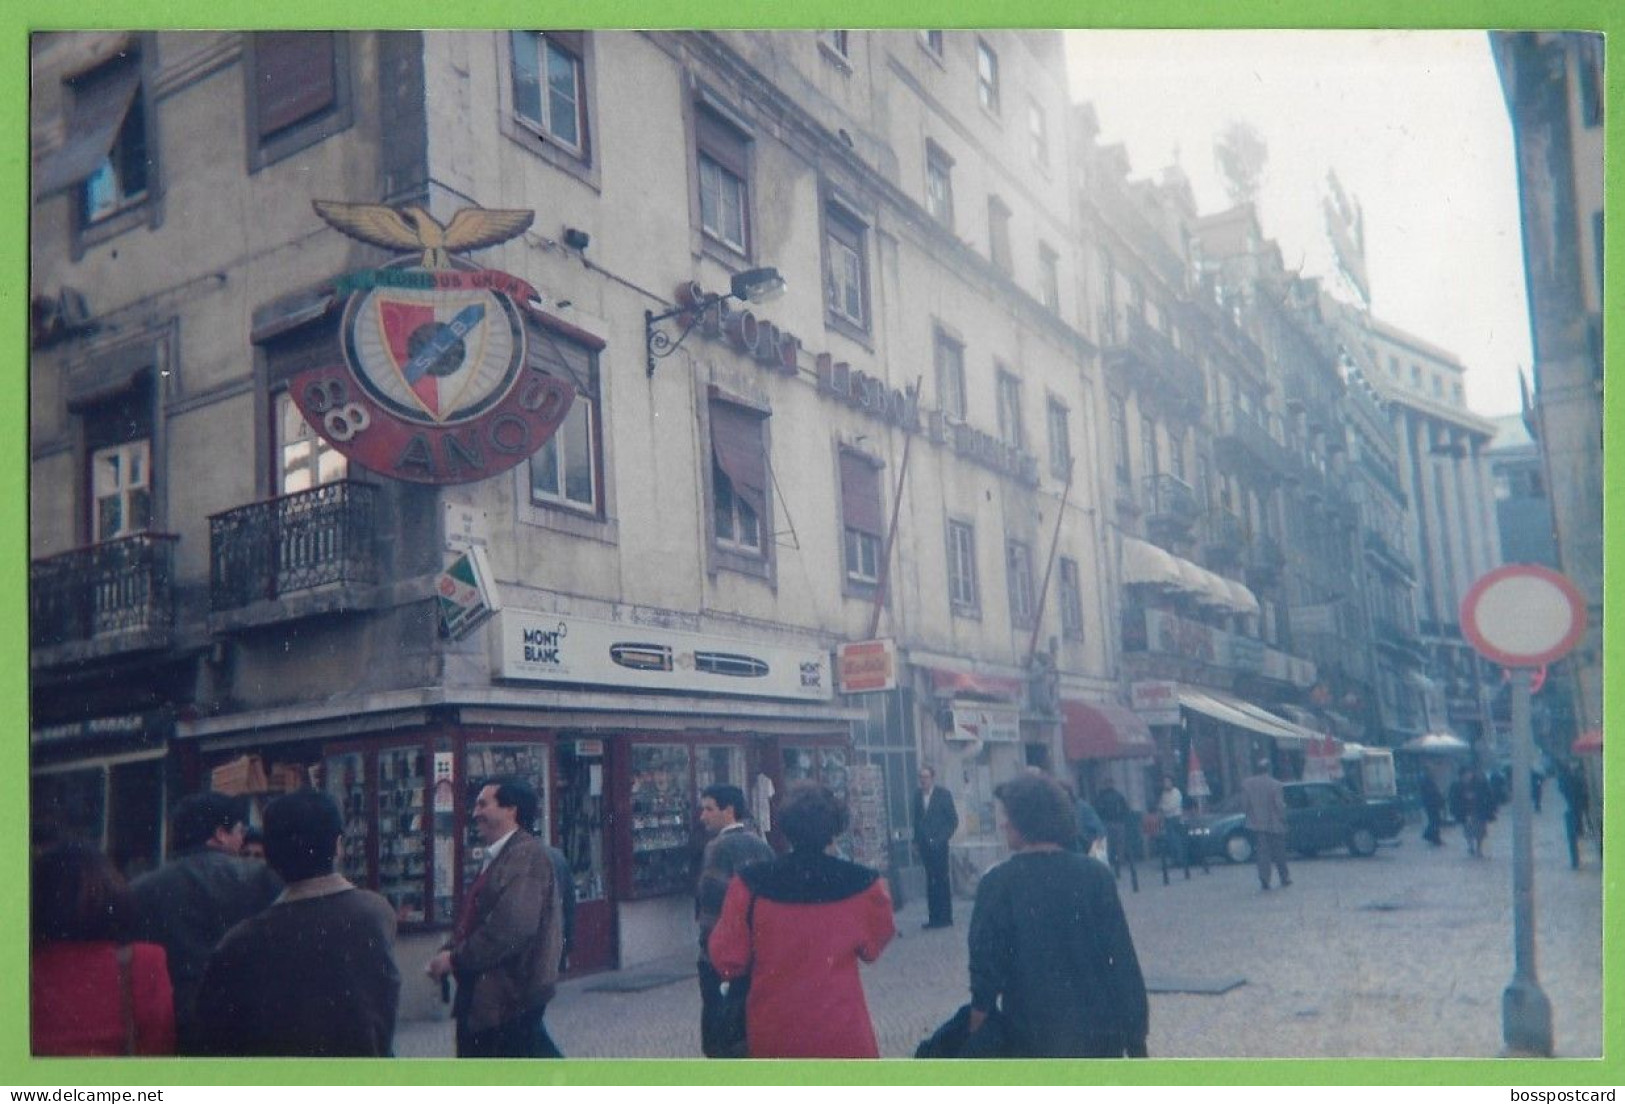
[718, 764]
[344, 777]
[662, 804]
[403, 862]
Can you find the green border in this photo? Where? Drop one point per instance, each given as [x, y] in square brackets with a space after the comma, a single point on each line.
[16, 1068]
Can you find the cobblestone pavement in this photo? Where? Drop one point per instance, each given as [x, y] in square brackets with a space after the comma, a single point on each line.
[1401, 955]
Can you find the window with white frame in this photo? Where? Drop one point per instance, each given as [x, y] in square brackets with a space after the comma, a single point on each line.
[1060, 439]
[739, 477]
[723, 159]
[1120, 454]
[1009, 399]
[987, 76]
[950, 364]
[962, 594]
[121, 490]
[1148, 447]
[566, 471]
[109, 159]
[861, 518]
[932, 41]
[1038, 133]
[304, 459]
[998, 234]
[1049, 278]
[1018, 561]
[549, 86]
[1071, 597]
[846, 263]
[939, 184]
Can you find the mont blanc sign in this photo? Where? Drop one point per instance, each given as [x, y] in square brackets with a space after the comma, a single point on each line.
[434, 385]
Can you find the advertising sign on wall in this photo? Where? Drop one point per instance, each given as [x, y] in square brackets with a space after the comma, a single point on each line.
[548, 647]
[867, 666]
[1156, 701]
[989, 723]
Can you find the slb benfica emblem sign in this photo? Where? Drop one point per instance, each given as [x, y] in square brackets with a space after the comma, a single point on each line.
[434, 386]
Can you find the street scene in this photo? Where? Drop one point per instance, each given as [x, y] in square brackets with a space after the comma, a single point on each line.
[616, 544]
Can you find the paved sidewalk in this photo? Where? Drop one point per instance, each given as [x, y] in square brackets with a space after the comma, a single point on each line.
[1401, 955]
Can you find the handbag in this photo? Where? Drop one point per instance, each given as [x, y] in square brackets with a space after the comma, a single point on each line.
[955, 1039]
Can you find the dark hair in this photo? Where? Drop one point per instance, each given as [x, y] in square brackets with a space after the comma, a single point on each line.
[727, 797]
[253, 835]
[79, 896]
[810, 816]
[519, 795]
[196, 816]
[301, 830]
[1039, 809]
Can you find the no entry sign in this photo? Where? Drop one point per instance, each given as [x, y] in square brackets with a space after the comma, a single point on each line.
[1523, 615]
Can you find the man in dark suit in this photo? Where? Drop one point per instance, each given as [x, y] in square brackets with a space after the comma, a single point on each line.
[504, 951]
[935, 820]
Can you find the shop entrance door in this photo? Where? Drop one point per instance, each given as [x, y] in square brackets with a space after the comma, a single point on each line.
[582, 810]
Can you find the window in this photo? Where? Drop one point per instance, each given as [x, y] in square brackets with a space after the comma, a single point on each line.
[835, 41]
[298, 91]
[950, 358]
[962, 567]
[121, 490]
[1119, 416]
[1108, 307]
[1438, 386]
[1038, 133]
[1071, 595]
[739, 477]
[303, 459]
[549, 86]
[723, 158]
[1060, 440]
[106, 158]
[1010, 428]
[566, 471]
[846, 267]
[939, 185]
[1393, 366]
[1049, 278]
[1176, 454]
[987, 76]
[998, 234]
[1148, 447]
[1018, 563]
[1416, 375]
[861, 518]
[932, 41]
[1456, 393]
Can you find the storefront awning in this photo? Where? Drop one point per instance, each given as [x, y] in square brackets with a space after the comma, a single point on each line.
[1144, 562]
[1147, 564]
[1242, 600]
[950, 684]
[1098, 730]
[1241, 714]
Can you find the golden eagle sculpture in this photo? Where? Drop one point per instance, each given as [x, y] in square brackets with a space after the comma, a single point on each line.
[412, 228]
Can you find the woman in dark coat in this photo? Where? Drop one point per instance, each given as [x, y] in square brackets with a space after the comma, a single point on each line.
[1049, 945]
[799, 925]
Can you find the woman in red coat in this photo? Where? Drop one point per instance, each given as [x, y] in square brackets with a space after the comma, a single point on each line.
[83, 963]
[798, 926]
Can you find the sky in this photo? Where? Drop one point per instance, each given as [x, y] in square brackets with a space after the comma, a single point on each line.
[1414, 125]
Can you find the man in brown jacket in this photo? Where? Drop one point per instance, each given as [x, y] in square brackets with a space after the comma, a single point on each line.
[1263, 799]
[504, 951]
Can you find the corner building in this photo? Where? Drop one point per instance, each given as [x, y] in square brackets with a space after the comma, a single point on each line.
[218, 596]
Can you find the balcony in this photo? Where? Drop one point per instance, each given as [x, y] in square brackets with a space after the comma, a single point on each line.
[1147, 359]
[320, 538]
[108, 598]
[1226, 539]
[1170, 507]
[1398, 638]
[1264, 561]
[1244, 444]
[1387, 554]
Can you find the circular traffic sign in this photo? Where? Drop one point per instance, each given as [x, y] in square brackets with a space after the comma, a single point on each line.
[1523, 615]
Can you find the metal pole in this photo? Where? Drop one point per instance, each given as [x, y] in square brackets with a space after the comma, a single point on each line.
[1049, 566]
[884, 577]
[1526, 1014]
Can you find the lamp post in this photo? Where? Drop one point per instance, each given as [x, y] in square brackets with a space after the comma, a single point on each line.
[754, 285]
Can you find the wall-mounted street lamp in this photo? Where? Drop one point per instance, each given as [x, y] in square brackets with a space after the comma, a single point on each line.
[754, 285]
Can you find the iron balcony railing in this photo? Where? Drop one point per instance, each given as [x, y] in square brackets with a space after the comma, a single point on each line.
[119, 586]
[299, 541]
[1389, 551]
[1170, 498]
[1250, 434]
[1151, 356]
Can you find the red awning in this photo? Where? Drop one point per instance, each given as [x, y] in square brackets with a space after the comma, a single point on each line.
[1095, 730]
[948, 684]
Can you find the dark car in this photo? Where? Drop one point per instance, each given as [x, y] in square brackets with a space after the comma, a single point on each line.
[1319, 816]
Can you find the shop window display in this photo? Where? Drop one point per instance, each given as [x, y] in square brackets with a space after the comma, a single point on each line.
[662, 810]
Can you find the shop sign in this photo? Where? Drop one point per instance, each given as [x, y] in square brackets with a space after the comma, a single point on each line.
[466, 593]
[434, 385]
[989, 724]
[153, 724]
[1156, 701]
[466, 526]
[866, 666]
[545, 647]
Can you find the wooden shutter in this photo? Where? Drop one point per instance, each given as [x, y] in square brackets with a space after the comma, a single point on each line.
[293, 77]
[737, 444]
[860, 494]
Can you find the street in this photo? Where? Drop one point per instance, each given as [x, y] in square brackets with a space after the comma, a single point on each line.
[1401, 955]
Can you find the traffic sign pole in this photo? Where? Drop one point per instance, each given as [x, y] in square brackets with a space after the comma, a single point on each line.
[1526, 1014]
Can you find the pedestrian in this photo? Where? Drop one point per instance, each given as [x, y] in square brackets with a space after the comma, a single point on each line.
[1049, 945]
[187, 904]
[93, 990]
[314, 975]
[1471, 804]
[1571, 784]
[1263, 800]
[799, 925]
[506, 944]
[565, 879]
[1537, 782]
[935, 821]
[1115, 813]
[1432, 806]
[732, 847]
[1171, 809]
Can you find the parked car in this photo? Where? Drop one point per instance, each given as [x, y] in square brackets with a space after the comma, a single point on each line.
[1319, 817]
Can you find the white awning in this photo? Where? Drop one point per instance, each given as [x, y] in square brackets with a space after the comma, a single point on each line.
[1144, 562]
[1243, 600]
[1242, 714]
